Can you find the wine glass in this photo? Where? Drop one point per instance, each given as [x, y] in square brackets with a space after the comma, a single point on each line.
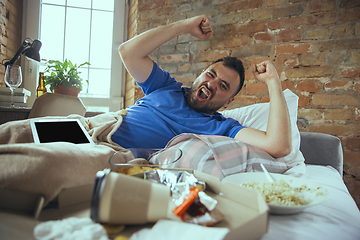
[13, 79]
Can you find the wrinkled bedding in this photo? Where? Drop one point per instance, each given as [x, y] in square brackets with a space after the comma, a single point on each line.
[46, 169]
[222, 156]
[337, 218]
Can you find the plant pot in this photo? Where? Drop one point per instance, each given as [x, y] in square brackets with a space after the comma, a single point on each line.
[60, 89]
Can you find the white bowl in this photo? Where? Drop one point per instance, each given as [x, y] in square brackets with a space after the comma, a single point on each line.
[314, 198]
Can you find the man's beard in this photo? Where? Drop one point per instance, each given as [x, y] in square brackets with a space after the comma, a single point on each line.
[204, 107]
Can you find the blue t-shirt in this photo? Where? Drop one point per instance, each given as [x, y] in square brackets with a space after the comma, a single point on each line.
[164, 113]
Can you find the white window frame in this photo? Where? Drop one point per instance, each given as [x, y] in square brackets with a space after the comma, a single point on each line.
[31, 29]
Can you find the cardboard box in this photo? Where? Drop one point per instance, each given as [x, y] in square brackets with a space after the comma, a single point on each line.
[246, 212]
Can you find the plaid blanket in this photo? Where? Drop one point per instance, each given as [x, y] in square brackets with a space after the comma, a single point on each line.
[222, 156]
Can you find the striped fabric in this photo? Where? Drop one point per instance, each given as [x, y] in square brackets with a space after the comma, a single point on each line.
[222, 156]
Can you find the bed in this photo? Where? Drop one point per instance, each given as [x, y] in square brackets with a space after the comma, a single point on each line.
[318, 158]
[336, 218]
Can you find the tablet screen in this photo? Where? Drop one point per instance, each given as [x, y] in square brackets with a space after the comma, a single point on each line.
[60, 131]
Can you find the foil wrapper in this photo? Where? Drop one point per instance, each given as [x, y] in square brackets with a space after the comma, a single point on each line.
[180, 182]
[202, 210]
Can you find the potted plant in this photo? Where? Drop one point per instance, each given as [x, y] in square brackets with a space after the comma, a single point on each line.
[64, 77]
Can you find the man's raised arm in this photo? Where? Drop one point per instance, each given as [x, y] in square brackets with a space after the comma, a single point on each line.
[277, 138]
[135, 52]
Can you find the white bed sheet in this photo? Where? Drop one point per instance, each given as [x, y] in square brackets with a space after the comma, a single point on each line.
[336, 218]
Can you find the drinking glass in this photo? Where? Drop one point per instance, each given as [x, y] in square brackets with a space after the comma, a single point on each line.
[13, 79]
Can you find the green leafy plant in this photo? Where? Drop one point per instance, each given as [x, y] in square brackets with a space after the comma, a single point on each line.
[63, 73]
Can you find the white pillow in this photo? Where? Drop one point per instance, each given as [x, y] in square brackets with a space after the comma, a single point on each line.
[256, 116]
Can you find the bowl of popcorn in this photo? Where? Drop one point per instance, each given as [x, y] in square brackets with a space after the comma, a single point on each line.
[144, 159]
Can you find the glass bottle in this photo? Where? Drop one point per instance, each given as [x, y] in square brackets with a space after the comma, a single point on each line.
[41, 87]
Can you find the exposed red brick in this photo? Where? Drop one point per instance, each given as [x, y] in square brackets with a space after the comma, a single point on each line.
[174, 58]
[292, 48]
[153, 23]
[263, 38]
[253, 88]
[350, 72]
[336, 129]
[351, 159]
[265, 99]
[303, 101]
[151, 5]
[349, 4]
[253, 27]
[289, 35]
[257, 60]
[232, 42]
[186, 79]
[310, 114]
[287, 85]
[234, 6]
[321, 6]
[336, 84]
[311, 59]
[351, 14]
[184, 67]
[327, 18]
[289, 11]
[357, 114]
[287, 61]
[210, 56]
[255, 4]
[353, 183]
[357, 87]
[338, 114]
[259, 49]
[336, 100]
[164, 11]
[355, 56]
[309, 86]
[291, 23]
[274, 3]
[309, 72]
[243, 100]
[352, 144]
[249, 75]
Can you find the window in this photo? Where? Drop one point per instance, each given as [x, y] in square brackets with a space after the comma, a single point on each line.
[85, 31]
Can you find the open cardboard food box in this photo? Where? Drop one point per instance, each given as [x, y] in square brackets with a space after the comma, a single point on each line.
[245, 211]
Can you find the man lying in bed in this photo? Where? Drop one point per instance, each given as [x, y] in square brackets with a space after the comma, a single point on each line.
[168, 109]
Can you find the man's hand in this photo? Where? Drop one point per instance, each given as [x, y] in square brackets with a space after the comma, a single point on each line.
[265, 72]
[135, 52]
[199, 27]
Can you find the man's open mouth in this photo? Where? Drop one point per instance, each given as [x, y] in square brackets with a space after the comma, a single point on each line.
[203, 93]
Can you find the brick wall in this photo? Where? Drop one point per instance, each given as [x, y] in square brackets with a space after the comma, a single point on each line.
[314, 45]
[10, 31]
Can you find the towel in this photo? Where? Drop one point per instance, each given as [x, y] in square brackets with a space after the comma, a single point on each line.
[175, 230]
[70, 229]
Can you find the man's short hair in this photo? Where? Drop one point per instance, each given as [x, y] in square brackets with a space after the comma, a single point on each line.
[235, 64]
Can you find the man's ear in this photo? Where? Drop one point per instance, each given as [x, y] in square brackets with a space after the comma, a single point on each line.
[228, 102]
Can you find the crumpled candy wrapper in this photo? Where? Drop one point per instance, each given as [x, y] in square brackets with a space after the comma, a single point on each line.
[70, 229]
[193, 205]
[179, 182]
